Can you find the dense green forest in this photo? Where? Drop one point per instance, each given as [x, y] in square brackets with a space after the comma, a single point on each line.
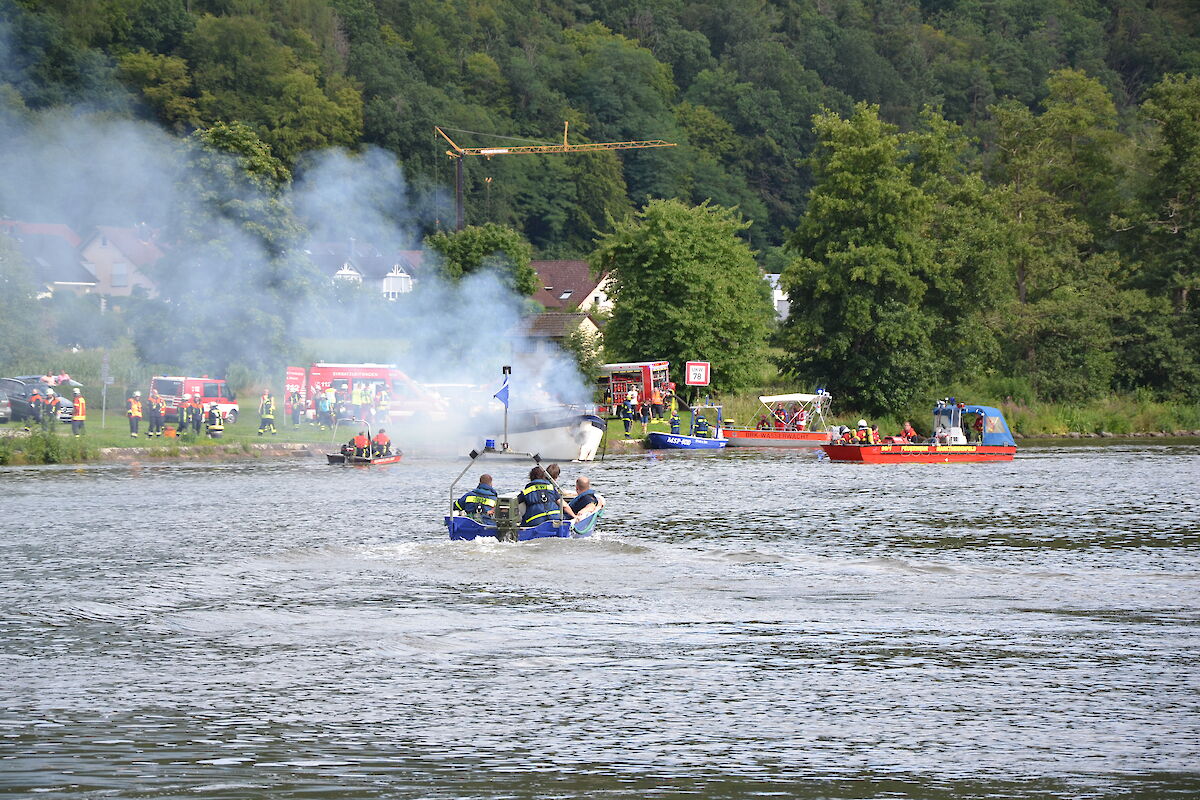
[949, 187]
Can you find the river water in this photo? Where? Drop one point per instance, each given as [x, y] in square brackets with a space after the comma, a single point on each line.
[745, 624]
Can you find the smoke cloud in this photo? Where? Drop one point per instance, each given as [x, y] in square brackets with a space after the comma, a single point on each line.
[255, 289]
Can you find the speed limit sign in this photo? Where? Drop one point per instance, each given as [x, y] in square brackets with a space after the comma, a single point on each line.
[697, 373]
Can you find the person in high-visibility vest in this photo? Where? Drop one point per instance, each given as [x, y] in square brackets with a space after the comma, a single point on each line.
[266, 413]
[215, 421]
[50, 405]
[79, 417]
[133, 410]
[157, 407]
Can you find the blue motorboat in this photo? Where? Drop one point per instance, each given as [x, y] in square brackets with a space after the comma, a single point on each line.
[470, 528]
[701, 434]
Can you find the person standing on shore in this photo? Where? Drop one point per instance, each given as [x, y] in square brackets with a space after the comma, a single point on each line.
[157, 407]
[297, 404]
[79, 416]
[133, 410]
[266, 414]
[50, 406]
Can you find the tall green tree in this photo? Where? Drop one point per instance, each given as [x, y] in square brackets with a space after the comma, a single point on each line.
[1048, 173]
[858, 322]
[482, 247]
[686, 287]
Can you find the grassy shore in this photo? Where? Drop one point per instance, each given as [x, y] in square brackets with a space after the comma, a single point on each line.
[58, 446]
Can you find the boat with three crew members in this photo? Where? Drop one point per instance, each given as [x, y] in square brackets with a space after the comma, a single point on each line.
[993, 441]
[504, 523]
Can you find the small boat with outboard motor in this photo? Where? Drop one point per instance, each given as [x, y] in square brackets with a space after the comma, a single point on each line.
[949, 444]
[505, 523]
[791, 420]
[702, 434]
[370, 456]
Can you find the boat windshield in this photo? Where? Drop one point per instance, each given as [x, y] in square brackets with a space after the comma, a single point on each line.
[946, 417]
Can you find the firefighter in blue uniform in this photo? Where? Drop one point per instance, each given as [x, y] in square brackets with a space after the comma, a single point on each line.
[675, 422]
[480, 501]
[541, 500]
[699, 425]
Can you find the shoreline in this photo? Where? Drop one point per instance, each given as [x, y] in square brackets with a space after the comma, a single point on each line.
[619, 446]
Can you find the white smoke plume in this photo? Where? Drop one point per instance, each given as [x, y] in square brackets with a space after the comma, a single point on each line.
[87, 169]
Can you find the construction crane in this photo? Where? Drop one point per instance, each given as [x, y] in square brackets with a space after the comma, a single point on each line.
[459, 153]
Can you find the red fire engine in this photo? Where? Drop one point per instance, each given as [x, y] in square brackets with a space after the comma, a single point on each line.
[404, 396]
[616, 379]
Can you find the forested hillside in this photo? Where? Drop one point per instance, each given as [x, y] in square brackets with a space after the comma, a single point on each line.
[951, 188]
[735, 83]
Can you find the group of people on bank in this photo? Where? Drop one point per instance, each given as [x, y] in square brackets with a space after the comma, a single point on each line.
[644, 408]
[45, 407]
[539, 500]
[191, 415]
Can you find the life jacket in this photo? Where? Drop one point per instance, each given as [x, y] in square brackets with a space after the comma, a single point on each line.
[80, 409]
[135, 408]
[801, 419]
[382, 440]
[874, 436]
[482, 499]
[675, 423]
[540, 499]
[864, 436]
[582, 499]
[361, 442]
[656, 397]
[848, 437]
[701, 426]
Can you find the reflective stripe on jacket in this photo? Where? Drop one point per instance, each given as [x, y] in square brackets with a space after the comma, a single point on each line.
[540, 499]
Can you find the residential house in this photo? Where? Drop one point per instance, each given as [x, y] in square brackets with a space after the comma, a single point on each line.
[545, 333]
[779, 297]
[49, 250]
[119, 257]
[569, 284]
[366, 265]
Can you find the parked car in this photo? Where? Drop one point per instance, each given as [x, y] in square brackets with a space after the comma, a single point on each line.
[5, 407]
[18, 392]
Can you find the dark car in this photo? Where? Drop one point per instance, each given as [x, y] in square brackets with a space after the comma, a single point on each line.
[18, 392]
[5, 407]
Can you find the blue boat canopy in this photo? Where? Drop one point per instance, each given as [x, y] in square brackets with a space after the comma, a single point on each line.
[995, 427]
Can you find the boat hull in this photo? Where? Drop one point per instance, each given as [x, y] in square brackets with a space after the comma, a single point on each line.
[557, 436]
[917, 453]
[359, 461]
[469, 529]
[679, 441]
[741, 437]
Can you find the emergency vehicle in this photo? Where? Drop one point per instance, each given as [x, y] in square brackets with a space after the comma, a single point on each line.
[405, 396]
[615, 380]
[208, 390]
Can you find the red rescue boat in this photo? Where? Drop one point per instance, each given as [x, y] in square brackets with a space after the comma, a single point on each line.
[993, 440]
